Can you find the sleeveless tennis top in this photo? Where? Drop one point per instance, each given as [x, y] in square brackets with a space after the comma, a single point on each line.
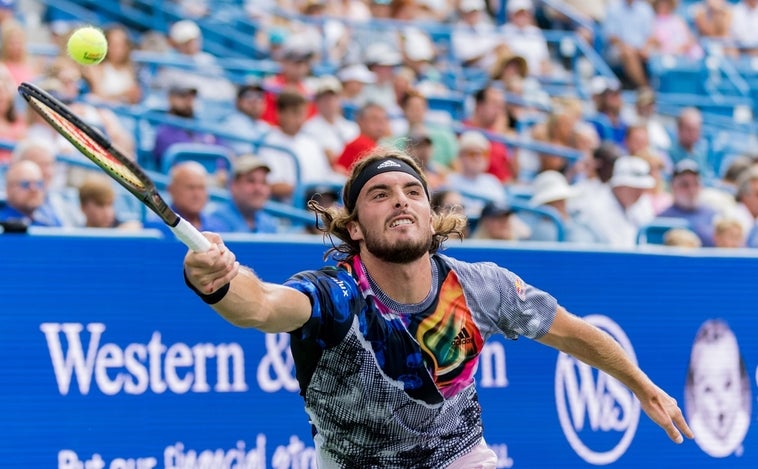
[387, 386]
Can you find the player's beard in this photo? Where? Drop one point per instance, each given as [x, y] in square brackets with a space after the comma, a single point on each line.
[399, 252]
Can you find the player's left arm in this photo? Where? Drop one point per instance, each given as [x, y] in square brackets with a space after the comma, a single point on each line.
[580, 339]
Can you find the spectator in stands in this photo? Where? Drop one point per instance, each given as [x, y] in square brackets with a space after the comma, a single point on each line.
[56, 205]
[115, 80]
[415, 109]
[606, 95]
[727, 233]
[373, 125]
[489, 115]
[616, 214]
[246, 120]
[250, 191]
[329, 128]
[558, 129]
[747, 200]
[63, 78]
[363, 35]
[12, 125]
[681, 238]
[354, 78]
[25, 194]
[206, 75]
[294, 60]
[551, 191]
[498, 221]
[14, 54]
[671, 35]
[744, 29]
[627, 27]
[713, 20]
[420, 146]
[509, 68]
[306, 154]
[96, 202]
[472, 179]
[524, 38]
[597, 173]
[720, 194]
[188, 189]
[447, 200]
[644, 113]
[7, 11]
[685, 188]
[474, 39]
[689, 143]
[381, 59]
[586, 141]
[181, 104]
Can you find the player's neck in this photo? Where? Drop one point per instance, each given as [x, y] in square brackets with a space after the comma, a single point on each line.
[404, 283]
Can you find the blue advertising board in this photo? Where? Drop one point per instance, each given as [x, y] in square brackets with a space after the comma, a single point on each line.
[108, 361]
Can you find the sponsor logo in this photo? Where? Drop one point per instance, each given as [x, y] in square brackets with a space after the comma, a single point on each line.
[520, 287]
[389, 164]
[463, 338]
[598, 414]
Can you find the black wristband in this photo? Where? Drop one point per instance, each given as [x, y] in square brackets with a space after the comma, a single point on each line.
[211, 298]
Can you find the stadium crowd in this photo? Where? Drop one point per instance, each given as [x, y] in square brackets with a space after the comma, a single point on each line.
[349, 75]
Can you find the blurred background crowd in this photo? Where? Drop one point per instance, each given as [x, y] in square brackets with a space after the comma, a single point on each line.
[600, 122]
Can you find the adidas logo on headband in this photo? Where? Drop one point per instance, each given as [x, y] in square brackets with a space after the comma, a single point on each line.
[389, 164]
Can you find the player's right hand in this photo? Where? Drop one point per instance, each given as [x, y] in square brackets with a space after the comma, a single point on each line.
[210, 270]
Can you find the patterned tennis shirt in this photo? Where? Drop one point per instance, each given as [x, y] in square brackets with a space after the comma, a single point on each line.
[388, 385]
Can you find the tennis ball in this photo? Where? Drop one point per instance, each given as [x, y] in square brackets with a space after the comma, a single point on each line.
[87, 45]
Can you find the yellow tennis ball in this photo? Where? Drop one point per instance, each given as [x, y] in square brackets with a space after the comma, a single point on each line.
[87, 45]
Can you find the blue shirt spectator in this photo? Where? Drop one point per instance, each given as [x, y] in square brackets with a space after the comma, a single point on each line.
[686, 188]
[181, 101]
[25, 194]
[689, 142]
[250, 191]
[246, 120]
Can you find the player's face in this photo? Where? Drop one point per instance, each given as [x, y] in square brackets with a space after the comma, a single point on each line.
[394, 218]
[717, 386]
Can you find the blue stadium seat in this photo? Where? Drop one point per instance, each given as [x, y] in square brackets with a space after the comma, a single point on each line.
[654, 232]
[212, 157]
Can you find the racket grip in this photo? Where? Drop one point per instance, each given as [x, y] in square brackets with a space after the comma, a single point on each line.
[190, 236]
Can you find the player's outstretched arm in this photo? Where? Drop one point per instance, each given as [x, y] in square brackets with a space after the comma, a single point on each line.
[249, 302]
[580, 339]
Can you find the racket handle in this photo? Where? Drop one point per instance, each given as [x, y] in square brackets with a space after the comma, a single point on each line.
[190, 236]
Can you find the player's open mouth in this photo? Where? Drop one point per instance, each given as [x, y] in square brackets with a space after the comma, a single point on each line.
[400, 222]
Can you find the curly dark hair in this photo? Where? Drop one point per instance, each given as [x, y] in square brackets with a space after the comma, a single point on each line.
[334, 221]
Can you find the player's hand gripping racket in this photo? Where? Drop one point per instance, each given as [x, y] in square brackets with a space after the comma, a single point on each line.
[95, 146]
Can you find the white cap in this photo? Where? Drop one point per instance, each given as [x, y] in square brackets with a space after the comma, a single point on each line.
[356, 72]
[600, 84]
[380, 53]
[419, 48]
[474, 139]
[516, 5]
[632, 171]
[550, 186]
[471, 5]
[327, 84]
[183, 31]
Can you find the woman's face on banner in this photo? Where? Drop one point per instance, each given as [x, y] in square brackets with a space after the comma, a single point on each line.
[717, 385]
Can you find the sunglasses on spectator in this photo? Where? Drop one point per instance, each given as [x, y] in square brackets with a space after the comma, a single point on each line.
[26, 185]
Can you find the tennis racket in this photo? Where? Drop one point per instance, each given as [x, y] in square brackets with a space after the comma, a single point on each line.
[96, 146]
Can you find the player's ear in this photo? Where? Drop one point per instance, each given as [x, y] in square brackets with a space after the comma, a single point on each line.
[354, 230]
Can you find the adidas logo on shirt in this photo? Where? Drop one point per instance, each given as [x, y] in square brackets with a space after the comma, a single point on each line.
[463, 338]
[389, 163]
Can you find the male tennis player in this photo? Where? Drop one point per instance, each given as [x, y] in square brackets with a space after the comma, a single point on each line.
[386, 343]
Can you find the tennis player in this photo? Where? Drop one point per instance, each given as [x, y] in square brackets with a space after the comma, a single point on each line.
[386, 342]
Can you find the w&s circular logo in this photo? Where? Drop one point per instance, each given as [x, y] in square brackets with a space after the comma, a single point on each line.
[598, 414]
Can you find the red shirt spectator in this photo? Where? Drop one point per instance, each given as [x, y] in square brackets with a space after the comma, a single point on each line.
[294, 60]
[374, 125]
[489, 115]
